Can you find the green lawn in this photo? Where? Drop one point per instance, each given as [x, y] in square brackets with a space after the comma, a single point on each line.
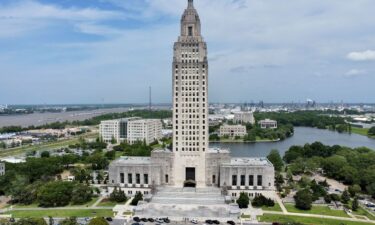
[321, 210]
[306, 220]
[361, 131]
[362, 212]
[107, 203]
[276, 207]
[36, 205]
[62, 213]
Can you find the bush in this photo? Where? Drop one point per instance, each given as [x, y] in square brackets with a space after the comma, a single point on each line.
[371, 131]
[260, 201]
[303, 199]
[117, 196]
[243, 201]
[98, 221]
[138, 197]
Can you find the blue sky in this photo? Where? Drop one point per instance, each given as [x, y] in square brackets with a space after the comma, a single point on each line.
[110, 51]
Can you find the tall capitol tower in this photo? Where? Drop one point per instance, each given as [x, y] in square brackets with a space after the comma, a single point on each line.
[190, 102]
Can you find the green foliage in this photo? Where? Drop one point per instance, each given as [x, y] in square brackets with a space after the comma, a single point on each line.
[137, 149]
[275, 158]
[97, 161]
[243, 201]
[260, 201]
[354, 189]
[81, 194]
[98, 221]
[45, 154]
[345, 197]
[117, 196]
[138, 197]
[214, 137]
[31, 221]
[371, 131]
[69, 221]
[110, 155]
[303, 199]
[355, 204]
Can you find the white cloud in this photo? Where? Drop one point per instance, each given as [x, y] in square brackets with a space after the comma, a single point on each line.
[362, 56]
[355, 73]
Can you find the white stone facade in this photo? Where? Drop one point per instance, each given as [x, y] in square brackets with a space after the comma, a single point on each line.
[191, 162]
[147, 130]
[2, 169]
[267, 123]
[232, 130]
[130, 130]
[244, 117]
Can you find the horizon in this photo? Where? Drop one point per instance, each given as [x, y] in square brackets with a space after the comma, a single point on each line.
[109, 51]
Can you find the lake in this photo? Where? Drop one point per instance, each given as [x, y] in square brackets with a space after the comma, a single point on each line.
[302, 135]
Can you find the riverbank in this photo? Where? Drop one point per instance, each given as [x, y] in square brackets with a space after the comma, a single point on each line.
[243, 141]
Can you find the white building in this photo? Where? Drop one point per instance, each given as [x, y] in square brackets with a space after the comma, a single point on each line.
[243, 117]
[267, 123]
[147, 130]
[130, 130]
[190, 162]
[2, 169]
[232, 130]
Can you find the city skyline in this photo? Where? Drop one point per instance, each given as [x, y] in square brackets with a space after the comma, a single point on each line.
[104, 51]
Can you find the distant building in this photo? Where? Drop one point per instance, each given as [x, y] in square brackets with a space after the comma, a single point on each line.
[267, 123]
[2, 169]
[130, 130]
[147, 130]
[244, 117]
[232, 130]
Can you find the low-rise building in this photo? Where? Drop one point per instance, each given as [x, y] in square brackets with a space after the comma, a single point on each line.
[232, 130]
[243, 117]
[2, 169]
[268, 123]
[130, 130]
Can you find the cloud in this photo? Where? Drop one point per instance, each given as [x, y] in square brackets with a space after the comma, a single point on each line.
[355, 73]
[362, 56]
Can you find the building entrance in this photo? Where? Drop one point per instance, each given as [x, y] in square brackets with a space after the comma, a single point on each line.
[190, 177]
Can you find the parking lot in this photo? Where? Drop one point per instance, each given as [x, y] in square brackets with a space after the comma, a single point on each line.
[166, 221]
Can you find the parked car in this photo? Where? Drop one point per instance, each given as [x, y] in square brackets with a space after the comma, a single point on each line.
[276, 223]
[231, 222]
[194, 221]
[109, 219]
[166, 220]
[136, 219]
[144, 220]
[216, 221]
[159, 220]
[151, 220]
[209, 221]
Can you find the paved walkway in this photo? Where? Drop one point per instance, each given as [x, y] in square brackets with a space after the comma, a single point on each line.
[98, 201]
[281, 204]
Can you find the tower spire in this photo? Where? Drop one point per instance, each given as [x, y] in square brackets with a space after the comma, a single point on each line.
[190, 4]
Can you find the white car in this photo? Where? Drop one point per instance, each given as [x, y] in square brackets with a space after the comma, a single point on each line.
[194, 221]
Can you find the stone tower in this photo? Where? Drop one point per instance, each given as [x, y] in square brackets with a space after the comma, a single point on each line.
[190, 102]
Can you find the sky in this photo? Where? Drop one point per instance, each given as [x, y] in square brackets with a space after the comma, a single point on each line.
[111, 51]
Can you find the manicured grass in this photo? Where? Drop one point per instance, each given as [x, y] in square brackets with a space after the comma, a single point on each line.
[36, 205]
[321, 210]
[87, 204]
[276, 207]
[107, 203]
[306, 220]
[362, 212]
[62, 213]
[361, 131]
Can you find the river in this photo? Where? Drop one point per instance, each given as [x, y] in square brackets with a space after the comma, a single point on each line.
[302, 135]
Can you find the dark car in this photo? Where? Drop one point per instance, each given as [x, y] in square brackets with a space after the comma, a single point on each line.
[275, 223]
[144, 220]
[109, 219]
[231, 222]
[151, 220]
[136, 219]
[209, 222]
[216, 221]
[135, 224]
[166, 220]
[12, 220]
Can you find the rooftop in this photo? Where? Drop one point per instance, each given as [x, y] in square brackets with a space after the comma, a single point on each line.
[132, 160]
[249, 161]
[218, 150]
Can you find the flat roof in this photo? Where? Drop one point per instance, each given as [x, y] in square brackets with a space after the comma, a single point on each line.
[218, 150]
[240, 161]
[125, 160]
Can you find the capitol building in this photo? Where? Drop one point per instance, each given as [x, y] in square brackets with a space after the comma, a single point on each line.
[191, 163]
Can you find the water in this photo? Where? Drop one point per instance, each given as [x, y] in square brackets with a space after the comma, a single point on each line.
[302, 135]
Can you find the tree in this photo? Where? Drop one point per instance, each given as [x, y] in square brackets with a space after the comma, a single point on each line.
[275, 158]
[45, 154]
[355, 204]
[354, 189]
[371, 131]
[303, 199]
[31, 221]
[81, 194]
[243, 201]
[110, 155]
[55, 193]
[117, 196]
[98, 221]
[69, 221]
[260, 201]
[138, 197]
[345, 197]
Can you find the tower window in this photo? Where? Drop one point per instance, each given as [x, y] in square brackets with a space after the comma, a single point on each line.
[190, 31]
